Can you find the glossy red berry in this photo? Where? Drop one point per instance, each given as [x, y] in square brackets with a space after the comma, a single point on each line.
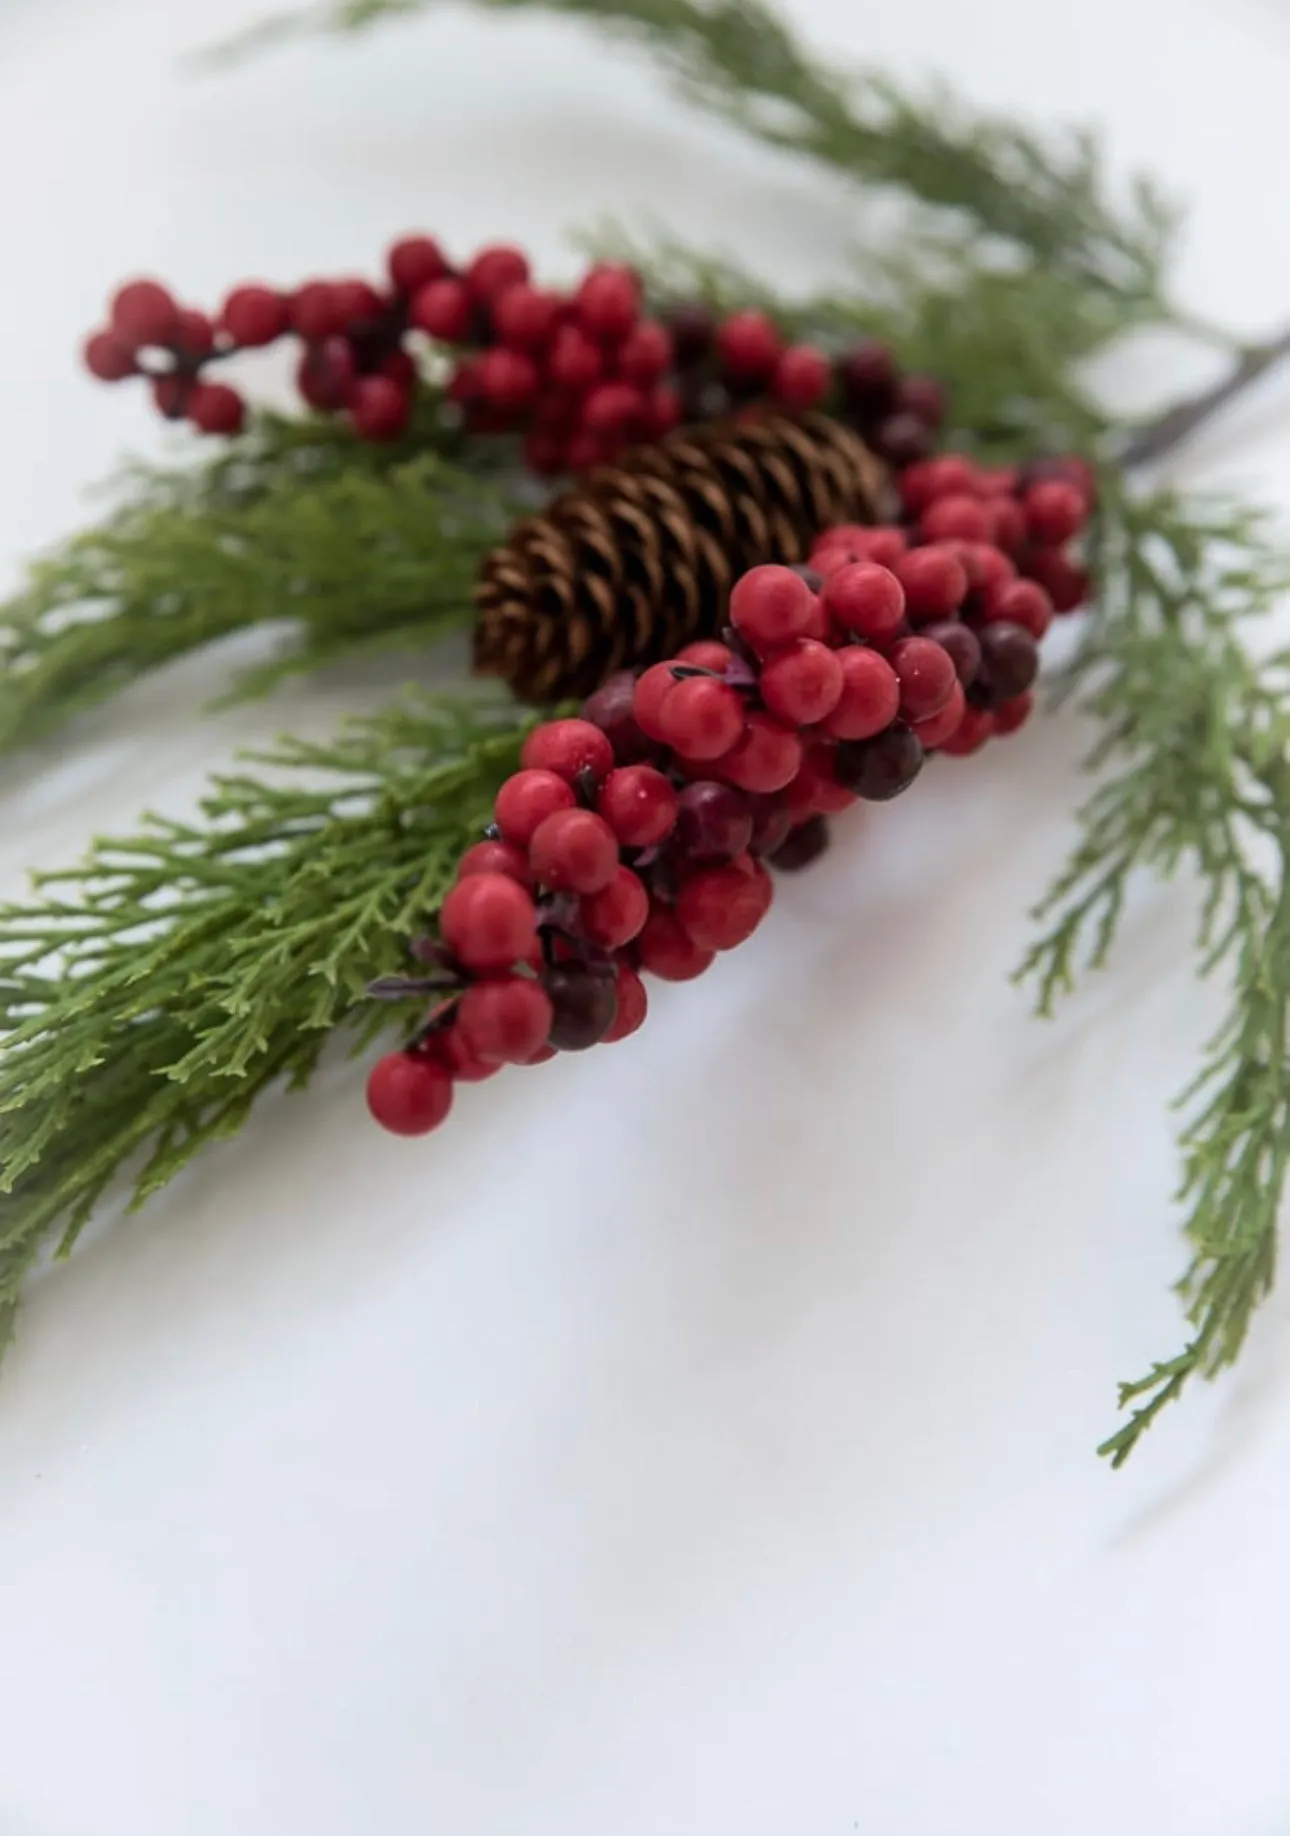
[379, 408]
[870, 696]
[651, 694]
[359, 302]
[985, 564]
[645, 353]
[707, 653]
[749, 346]
[926, 674]
[317, 311]
[802, 684]
[144, 312]
[613, 409]
[608, 303]
[462, 1063]
[770, 606]
[574, 362]
[442, 309]
[109, 357]
[1065, 582]
[508, 380]
[668, 951]
[633, 1005]
[568, 748]
[195, 335]
[574, 851]
[487, 921]
[496, 857]
[957, 518]
[702, 718]
[802, 377]
[663, 412]
[766, 759]
[215, 408]
[935, 582]
[612, 917]
[845, 545]
[1019, 602]
[720, 907]
[1007, 524]
[494, 269]
[526, 800]
[938, 727]
[1011, 715]
[409, 1093]
[949, 476]
[639, 805]
[525, 317]
[1055, 511]
[506, 1019]
[415, 261]
[865, 598]
[970, 735]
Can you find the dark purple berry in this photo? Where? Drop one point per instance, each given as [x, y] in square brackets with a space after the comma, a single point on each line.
[807, 842]
[879, 769]
[693, 327]
[902, 439]
[713, 823]
[1009, 660]
[610, 709]
[584, 1006]
[962, 644]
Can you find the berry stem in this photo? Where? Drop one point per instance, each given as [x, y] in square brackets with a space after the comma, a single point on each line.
[1161, 435]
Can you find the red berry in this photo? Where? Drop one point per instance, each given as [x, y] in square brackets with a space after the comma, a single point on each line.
[938, 727]
[926, 674]
[585, 451]
[667, 950]
[326, 374]
[409, 1093]
[415, 261]
[442, 309]
[543, 1055]
[616, 914]
[379, 408]
[639, 805]
[568, 748]
[767, 758]
[359, 302]
[1007, 523]
[633, 1005]
[317, 311]
[487, 921]
[749, 346]
[702, 718]
[574, 362]
[714, 823]
[970, 735]
[611, 709]
[108, 357]
[802, 377]
[508, 380]
[496, 857]
[526, 800]
[612, 408]
[961, 644]
[1013, 713]
[923, 397]
[216, 409]
[645, 353]
[721, 907]
[949, 476]
[770, 606]
[802, 684]
[815, 791]
[144, 312]
[772, 823]
[463, 1063]
[652, 692]
[707, 653]
[400, 369]
[870, 696]
[935, 582]
[1055, 511]
[196, 335]
[505, 1020]
[1065, 582]
[986, 565]
[526, 317]
[494, 269]
[843, 546]
[170, 393]
[997, 480]
[865, 598]
[608, 303]
[663, 412]
[959, 518]
[574, 851]
[1019, 602]
[868, 374]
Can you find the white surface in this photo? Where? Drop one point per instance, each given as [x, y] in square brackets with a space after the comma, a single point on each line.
[697, 1440]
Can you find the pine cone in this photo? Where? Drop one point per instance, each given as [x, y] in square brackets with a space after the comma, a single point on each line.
[639, 558]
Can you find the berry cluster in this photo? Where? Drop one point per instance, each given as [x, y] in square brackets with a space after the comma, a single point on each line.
[580, 374]
[635, 838]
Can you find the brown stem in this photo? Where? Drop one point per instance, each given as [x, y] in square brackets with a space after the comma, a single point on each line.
[1179, 423]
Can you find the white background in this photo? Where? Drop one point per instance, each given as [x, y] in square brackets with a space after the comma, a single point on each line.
[695, 1439]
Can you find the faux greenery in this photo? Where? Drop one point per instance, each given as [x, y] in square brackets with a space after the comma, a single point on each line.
[151, 995]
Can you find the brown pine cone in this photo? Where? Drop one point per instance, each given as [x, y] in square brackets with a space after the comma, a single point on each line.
[639, 557]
